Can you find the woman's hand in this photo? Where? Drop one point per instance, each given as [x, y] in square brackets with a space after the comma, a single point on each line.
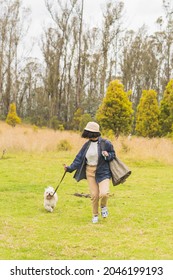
[65, 167]
[105, 154]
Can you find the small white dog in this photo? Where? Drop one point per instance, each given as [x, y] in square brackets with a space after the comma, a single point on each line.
[50, 199]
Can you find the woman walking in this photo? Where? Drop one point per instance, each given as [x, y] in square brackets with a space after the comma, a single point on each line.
[92, 163]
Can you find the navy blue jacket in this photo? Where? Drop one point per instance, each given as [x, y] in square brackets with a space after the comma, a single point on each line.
[102, 170]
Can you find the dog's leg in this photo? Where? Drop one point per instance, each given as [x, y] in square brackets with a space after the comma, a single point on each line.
[48, 208]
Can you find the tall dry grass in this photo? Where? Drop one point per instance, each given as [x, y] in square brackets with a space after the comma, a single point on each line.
[139, 148]
[31, 139]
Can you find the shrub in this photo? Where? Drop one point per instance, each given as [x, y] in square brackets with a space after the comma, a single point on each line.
[64, 145]
[12, 117]
[85, 118]
[109, 134]
[35, 128]
[166, 111]
[77, 118]
[115, 111]
[55, 124]
[147, 117]
[61, 127]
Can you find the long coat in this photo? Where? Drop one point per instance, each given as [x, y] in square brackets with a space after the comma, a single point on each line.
[102, 170]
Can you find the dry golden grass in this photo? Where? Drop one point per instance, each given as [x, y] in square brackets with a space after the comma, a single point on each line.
[139, 148]
[32, 139]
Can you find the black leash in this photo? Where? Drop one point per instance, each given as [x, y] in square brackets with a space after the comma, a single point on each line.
[60, 182]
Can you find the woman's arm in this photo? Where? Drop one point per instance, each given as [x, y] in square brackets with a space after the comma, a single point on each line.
[108, 152]
[77, 161]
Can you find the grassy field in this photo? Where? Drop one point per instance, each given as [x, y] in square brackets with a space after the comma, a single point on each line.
[140, 224]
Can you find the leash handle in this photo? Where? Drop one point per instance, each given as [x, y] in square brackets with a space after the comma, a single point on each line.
[60, 182]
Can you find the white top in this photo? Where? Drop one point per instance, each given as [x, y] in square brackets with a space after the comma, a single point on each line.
[92, 154]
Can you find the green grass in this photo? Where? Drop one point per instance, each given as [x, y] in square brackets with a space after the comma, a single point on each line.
[139, 225]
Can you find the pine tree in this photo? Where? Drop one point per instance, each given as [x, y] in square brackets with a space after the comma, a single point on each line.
[12, 117]
[115, 112]
[147, 117]
[166, 110]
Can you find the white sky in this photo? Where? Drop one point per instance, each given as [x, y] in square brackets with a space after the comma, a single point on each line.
[137, 13]
[141, 12]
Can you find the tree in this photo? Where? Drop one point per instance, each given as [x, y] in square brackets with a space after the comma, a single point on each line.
[59, 51]
[115, 112]
[147, 117]
[78, 87]
[166, 110]
[111, 30]
[13, 21]
[12, 117]
[168, 38]
[139, 63]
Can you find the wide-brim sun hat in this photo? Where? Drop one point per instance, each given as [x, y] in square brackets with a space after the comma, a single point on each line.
[92, 126]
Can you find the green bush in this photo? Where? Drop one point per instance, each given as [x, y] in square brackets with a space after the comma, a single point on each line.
[85, 118]
[35, 128]
[147, 116]
[115, 112]
[55, 124]
[12, 117]
[64, 145]
[61, 127]
[109, 134]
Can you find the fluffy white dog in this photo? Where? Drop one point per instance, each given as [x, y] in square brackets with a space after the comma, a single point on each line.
[50, 199]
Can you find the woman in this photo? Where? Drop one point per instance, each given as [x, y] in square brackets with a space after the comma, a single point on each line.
[92, 163]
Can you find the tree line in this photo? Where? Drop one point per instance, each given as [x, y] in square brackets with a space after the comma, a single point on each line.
[79, 62]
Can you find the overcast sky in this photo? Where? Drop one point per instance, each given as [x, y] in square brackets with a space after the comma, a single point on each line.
[137, 13]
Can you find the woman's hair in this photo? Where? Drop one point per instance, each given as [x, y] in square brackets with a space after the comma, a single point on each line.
[90, 134]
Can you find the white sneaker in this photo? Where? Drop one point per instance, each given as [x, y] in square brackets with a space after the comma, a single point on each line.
[104, 212]
[95, 219]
